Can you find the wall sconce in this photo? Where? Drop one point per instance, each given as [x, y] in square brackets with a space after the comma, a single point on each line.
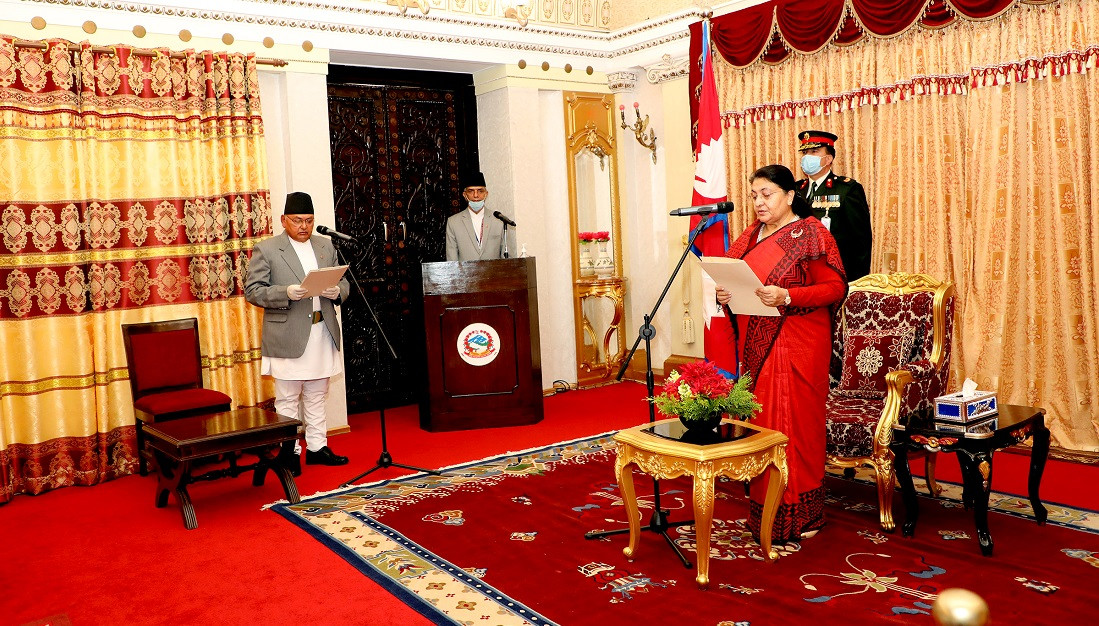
[518, 10]
[404, 4]
[647, 140]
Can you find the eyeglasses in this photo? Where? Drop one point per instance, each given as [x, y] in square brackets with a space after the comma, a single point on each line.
[299, 221]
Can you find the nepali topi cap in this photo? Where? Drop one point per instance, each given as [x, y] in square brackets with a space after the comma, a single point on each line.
[473, 179]
[298, 203]
[815, 139]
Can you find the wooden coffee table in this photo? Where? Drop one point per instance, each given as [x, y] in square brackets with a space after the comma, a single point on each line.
[177, 443]
[738, 450]
[974, 445]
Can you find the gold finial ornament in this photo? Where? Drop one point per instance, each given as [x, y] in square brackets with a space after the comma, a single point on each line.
[307, 45]
[185, 35]
[38, 23]
[89, 27]
[403, 5]
[139, 31]
[268, 42]
[227, 39]
[959, 607]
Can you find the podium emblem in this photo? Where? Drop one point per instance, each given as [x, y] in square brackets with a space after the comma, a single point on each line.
[478, 344]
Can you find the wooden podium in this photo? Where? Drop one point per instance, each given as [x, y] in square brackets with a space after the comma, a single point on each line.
[484, 367]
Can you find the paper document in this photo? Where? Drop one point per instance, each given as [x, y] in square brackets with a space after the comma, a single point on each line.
[738, 279]
[317, 281]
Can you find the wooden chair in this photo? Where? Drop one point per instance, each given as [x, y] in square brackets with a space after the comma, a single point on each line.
[165, 365]
[873, 384]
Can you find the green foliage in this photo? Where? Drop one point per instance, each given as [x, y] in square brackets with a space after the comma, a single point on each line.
[702, 391]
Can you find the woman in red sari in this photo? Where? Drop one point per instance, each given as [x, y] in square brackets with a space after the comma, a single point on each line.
[796, 259]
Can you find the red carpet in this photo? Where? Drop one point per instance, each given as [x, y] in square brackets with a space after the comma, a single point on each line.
[503, 541]
[106, 555]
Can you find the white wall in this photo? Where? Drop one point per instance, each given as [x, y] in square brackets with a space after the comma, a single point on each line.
[295, 124]
[521, 137]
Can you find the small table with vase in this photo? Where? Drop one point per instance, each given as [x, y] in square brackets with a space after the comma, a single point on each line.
[738, 450]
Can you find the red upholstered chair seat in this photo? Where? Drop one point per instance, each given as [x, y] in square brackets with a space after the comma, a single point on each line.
[184, 400]
[850, 424]
[165, 364]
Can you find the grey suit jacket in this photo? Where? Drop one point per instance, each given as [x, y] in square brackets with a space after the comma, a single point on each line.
[286, 323]
[461, 241]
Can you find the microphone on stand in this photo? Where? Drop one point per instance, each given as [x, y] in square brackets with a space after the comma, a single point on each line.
[503, 218]
[324, 230]
[705, 209]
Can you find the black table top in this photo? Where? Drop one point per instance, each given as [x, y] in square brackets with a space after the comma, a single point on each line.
[724, 433]
[1008, 417]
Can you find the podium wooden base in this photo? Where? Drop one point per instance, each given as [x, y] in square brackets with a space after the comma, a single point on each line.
[483, 361]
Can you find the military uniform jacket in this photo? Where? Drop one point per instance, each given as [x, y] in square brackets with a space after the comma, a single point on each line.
[844, 201]
[286, 323]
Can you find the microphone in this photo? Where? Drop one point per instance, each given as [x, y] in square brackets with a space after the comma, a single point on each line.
[503, 218]
[324, 230]
[705, 209]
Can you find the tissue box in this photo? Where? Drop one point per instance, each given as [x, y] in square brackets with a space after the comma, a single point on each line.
[963, 409]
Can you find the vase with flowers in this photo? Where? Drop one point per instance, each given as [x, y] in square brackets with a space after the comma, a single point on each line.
[700, 396]
[604, 264]
[587, 263]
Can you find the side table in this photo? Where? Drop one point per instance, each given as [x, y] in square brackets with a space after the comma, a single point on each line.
[739, 450]
[176, 443]
[974, 444]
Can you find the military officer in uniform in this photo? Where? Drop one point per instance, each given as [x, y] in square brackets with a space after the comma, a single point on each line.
[839, 202]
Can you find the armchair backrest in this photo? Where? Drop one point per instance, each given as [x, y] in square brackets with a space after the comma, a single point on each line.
[889, 301]
[163, 356]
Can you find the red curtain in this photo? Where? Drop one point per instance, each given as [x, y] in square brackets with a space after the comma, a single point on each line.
[808, 25]
[771, 30]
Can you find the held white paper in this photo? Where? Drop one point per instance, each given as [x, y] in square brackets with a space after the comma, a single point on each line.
[738, 279]
[318, 280]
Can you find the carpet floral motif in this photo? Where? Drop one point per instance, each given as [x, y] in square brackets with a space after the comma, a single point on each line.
[501, 541]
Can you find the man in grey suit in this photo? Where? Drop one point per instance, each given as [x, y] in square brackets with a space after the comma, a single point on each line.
[298, 350]
[475, 234]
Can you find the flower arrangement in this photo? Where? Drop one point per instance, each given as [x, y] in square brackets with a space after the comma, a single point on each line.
[700, 391]
[590, 236]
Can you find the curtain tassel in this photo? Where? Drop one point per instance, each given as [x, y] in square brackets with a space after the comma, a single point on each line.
[688, 327]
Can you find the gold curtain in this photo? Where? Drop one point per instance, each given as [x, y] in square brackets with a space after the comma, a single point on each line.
[132, 189]
[975, 144]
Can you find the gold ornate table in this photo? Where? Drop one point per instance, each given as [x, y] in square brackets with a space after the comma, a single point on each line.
[737, 450]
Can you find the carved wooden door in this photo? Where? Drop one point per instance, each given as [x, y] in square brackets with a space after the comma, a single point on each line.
[395, 172]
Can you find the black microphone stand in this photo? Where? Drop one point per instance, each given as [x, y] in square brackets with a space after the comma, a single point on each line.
[658, 523]
[386, 459]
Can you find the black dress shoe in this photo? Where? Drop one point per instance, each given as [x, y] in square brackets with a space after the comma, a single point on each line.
[324, 456]
[290, 461]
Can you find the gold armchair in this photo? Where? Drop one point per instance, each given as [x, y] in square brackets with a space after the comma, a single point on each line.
[890, 356]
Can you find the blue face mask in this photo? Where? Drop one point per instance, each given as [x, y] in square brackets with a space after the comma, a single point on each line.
[477, 206]
[810, 164]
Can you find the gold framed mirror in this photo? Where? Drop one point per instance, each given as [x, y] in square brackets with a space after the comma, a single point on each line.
[594, 218]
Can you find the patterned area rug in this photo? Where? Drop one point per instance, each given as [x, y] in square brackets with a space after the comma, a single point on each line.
[501, 541]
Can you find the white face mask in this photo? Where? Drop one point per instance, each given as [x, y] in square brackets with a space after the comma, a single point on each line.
[810, 164]
[477, 205]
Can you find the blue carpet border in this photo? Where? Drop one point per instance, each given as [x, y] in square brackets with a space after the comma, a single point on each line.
[411, 599]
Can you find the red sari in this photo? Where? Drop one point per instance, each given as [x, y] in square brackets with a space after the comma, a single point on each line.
[788, 356]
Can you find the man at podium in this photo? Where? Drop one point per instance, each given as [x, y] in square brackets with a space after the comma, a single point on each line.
[471, 235]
